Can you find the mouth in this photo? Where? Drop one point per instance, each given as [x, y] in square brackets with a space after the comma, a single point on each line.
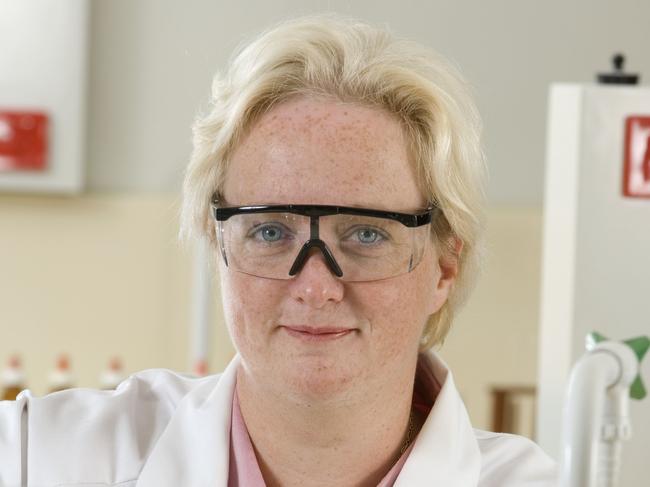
[317, 333]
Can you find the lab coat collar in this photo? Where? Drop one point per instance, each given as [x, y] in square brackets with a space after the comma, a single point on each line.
[446, 451]
[194, 448]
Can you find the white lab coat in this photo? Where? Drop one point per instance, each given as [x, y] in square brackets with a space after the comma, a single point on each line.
[162, 429]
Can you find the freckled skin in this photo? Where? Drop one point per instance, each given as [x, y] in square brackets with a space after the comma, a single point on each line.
[319, 151]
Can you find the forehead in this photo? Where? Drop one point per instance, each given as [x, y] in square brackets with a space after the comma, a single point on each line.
[319, 151]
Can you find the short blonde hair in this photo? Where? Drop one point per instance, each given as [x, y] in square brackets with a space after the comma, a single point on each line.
[352, 61]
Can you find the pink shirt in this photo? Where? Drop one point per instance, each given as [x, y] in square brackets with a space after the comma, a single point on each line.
[245, 471]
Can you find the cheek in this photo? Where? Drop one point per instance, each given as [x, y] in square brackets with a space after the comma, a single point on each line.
[250, 305]
[398, 308]
[426, 293]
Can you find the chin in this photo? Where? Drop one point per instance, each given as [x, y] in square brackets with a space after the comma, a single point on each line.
[321, 378]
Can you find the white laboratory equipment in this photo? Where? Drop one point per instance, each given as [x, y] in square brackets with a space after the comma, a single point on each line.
[596, 421]
[596, 254]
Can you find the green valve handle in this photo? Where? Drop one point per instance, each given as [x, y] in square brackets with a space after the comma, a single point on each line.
[639, 346]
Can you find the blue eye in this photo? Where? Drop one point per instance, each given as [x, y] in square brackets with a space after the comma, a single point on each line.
[270, 233]
[368, 236]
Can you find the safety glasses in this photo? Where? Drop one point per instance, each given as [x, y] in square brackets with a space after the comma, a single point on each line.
[357, 244]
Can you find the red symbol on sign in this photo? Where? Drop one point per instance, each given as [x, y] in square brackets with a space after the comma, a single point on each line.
[646, 161]
[23, 141]
[636, 176]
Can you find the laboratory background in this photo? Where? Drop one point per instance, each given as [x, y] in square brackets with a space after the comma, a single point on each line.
[95, 285]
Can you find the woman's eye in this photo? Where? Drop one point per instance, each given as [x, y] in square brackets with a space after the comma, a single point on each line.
[269, 233]
[368, 236]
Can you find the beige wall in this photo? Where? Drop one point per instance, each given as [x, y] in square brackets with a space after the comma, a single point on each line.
[101, 274]
[494, 340]
[94, 276]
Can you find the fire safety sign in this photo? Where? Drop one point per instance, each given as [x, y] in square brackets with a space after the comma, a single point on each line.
[23, 141]
[636, 171]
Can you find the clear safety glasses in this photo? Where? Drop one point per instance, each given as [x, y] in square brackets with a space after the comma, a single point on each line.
[357, 244]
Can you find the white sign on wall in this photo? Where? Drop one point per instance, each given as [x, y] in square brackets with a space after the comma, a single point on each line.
[43, 78]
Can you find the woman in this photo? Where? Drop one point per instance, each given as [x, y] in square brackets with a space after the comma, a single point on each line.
[338, 177]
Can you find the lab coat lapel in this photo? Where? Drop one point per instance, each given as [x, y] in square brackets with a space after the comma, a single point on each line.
[194, 449]
[445, 452]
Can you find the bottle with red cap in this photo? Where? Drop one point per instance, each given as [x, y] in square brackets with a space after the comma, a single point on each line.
[61, 377]
[201, 368]
[113, 375]
[13, 379]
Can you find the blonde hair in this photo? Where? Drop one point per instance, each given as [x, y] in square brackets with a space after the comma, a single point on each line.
[352, 61]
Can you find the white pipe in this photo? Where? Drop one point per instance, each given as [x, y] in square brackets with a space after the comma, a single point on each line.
[596, 417]
[589, 378]
[616, 427]
[201, 309]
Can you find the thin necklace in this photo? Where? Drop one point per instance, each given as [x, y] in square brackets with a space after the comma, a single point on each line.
[409, 434]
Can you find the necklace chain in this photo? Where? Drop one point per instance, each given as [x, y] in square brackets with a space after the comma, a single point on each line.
[409, 434]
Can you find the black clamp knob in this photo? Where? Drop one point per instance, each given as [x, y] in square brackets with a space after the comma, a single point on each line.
[618, 76]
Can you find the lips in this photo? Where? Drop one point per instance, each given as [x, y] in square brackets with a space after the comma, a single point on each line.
[317, 330]
[317, 333]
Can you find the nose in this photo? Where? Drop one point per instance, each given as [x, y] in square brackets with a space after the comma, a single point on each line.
[315, 284]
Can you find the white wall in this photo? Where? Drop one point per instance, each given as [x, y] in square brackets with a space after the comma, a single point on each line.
[152, 62]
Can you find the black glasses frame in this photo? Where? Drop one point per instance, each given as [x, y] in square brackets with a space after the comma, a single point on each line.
[407, 219]
[314, 212]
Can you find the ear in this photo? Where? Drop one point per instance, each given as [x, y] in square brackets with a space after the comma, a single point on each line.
[447, 264]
